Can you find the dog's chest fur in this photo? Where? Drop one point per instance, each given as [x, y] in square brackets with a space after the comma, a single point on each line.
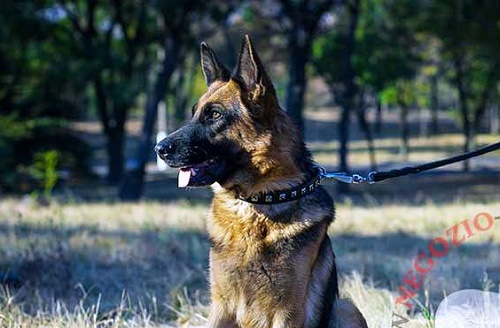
[260, 260]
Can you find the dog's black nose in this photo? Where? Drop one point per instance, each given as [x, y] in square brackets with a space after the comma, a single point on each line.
[164, 148]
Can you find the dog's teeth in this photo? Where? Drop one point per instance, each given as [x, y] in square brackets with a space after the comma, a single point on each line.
[194, 172]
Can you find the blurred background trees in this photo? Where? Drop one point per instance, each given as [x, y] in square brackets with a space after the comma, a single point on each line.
[470, 36]
[113, 61]
[40, 93]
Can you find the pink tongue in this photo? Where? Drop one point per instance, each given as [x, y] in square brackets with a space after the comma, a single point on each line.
[184, 177]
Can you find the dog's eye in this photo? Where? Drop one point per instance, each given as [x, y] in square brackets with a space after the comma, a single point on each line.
[215, 114]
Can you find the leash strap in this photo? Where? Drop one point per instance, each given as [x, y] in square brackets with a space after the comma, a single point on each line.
[380, 176]
[283, 196]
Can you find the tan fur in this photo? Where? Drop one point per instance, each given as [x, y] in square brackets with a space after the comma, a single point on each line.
[244, 288]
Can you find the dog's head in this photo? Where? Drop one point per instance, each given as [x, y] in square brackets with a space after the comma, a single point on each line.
[230, 129]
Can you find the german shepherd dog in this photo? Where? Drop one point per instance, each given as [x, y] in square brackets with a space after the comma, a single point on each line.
[271, 264]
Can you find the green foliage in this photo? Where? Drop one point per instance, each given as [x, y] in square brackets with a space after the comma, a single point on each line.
[44, 170]
[385, 46]
[326, 54]
[405, 92]
[389, 95]
[22, 138]
[13, 129]
[41, 84]
[469, 33]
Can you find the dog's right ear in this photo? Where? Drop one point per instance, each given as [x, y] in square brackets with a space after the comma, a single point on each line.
[213, 69]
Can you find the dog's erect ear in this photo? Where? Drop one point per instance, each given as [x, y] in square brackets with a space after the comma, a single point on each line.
[250, 71]
[213, 69]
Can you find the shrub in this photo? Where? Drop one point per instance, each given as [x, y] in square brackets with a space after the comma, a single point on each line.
[33, 150]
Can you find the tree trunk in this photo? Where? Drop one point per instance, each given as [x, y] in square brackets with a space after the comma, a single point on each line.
[350, 92]
[116, 158]
[494, 119]
[182, 89]
[402, 92]
[343, 131]
[304, 17]
[404, 151]
[482, 104]
[114, 130]
[365, 127]
[464, 110]
[378, 118]
[458, 65]
[434, 105]
[299, 45]
[132, 186]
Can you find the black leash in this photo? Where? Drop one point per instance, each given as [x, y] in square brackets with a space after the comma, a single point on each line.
[308, 187]
[373, 177]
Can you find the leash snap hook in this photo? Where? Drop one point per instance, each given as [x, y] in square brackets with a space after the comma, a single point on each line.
[342, 177]
[346, 178]
[356, 178]
[371, 177]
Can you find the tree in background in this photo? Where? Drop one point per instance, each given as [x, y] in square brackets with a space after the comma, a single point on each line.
[432, 69]
[295, 24]
[110, 43]
[39, 93]
[334, 60]
[60, 59]
[402, 94]
[469, 32]
[370, 49]
[177, 21]
[387, 49]
[304, 18]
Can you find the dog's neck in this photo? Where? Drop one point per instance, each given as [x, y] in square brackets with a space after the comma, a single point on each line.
[276, 167]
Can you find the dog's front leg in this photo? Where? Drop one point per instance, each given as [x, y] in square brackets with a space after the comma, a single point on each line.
[288, 319]
[219, 318]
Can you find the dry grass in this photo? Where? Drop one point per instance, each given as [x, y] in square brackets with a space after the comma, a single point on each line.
[144, 265]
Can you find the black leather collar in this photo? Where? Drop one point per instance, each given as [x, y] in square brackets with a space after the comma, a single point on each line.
[283, 196]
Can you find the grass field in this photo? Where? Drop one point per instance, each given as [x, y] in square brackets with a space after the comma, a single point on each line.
[86, 260]
[145, 265]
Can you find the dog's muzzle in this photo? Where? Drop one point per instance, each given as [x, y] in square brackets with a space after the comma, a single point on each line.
[165, 148]
[192, 173]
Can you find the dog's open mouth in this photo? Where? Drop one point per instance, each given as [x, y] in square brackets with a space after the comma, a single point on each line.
[203, 174]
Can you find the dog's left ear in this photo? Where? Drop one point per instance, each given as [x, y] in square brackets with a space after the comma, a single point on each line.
[250, 72]
[213, 69]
